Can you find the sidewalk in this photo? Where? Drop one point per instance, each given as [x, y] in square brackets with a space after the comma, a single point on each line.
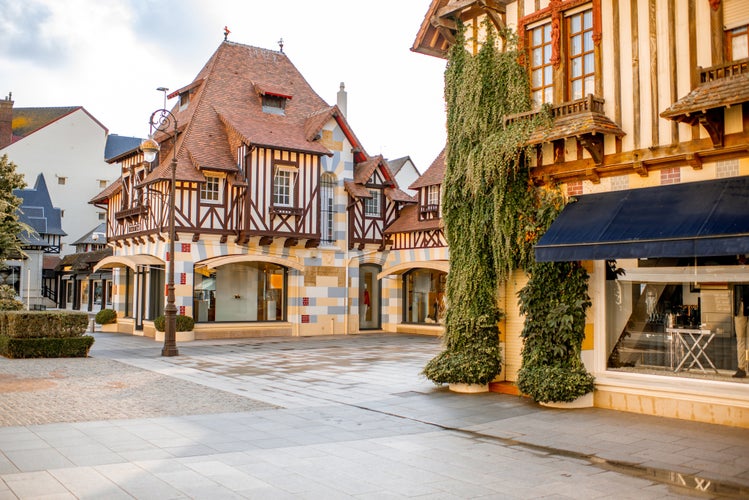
[327, 417]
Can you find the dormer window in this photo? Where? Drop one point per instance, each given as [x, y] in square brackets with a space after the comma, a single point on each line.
[273, 98]
[274, 104]
[184, 100]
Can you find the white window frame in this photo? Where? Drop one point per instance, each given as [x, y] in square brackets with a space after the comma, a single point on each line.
[210, 191]
[373, 205]
[284, 193]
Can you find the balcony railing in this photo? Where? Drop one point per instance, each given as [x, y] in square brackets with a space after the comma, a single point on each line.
[590, 103]
[281, 210]
[725, 70]
[132, 213]
[426, 209]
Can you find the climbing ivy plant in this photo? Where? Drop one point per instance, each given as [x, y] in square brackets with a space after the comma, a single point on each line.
[489, 206]
[554, 302]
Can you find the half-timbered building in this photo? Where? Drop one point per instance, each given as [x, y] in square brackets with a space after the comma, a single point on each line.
[418, 261]
[649, 141]
[279, 211]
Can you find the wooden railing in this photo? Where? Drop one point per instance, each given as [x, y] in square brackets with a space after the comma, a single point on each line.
[425, 209]
[131, 213]
[725, 70]
[590, 103]
[281, 210]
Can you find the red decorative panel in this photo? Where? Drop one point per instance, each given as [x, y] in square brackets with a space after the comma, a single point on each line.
[305, 301]
[182, 310]
[182, 278]
[305, 318]
[186, 247]
[168, 257]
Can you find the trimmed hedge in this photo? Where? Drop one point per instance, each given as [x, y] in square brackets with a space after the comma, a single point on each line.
[184, 323]
[44, 334]
[40, 324]
[106, 316]
[70, 347]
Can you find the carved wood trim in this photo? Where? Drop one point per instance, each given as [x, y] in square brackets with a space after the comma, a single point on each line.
[594, 145]
[265, 241]
[291, 242]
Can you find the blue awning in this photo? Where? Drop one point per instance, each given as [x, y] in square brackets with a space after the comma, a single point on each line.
[696, 219]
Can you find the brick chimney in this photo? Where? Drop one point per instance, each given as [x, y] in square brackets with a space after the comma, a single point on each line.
[6, 121]
[342, 99]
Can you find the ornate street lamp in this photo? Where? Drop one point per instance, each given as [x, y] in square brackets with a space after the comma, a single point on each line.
[161, 121]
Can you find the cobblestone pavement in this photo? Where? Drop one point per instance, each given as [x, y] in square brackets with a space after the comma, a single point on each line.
[327, 417]
[44, 391]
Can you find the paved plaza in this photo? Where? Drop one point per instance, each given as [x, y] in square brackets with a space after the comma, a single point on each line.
[326, 418]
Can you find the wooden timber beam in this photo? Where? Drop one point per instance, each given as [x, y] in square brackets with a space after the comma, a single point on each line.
[195, 237]
[593, 143]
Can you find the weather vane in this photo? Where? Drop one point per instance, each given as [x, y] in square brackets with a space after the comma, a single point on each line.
[226, 33]
[280, 44]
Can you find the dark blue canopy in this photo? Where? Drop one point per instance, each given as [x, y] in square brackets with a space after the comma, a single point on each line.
[691, 219]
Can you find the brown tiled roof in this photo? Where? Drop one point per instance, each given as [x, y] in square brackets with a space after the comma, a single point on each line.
[396, 194]
[356, 190]
[408, 222]
[434, 175]
[713, 94]
[364, 170]
[83, 261]
[588, 122]
[225, 108]
[50, 261]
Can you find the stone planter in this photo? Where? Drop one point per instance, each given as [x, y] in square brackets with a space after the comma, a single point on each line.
[178, 336]
[108, 328]
[585, 401]
[469, 388]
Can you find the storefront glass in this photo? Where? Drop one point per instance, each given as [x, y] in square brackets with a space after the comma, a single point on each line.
[678, 321]
[246, 291]
[424, 296]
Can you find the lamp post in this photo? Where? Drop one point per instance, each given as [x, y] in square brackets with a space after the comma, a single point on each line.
[161, 121]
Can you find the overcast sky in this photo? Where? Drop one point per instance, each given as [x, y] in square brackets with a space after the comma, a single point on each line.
[109, 56]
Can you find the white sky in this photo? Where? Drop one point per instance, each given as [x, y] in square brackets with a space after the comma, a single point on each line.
[109, 56]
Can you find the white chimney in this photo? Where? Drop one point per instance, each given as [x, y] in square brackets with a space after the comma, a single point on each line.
[342, 99]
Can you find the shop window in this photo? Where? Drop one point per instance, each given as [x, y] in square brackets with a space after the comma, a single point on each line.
[424, 296]
[247, 291]
[661, 325]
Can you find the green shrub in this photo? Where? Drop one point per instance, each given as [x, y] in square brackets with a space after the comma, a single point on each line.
[69, 347]
[41, 324]
[8, 300]
[106, 316]
[184, 323]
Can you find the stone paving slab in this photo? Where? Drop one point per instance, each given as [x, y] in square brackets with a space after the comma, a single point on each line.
[330, 417]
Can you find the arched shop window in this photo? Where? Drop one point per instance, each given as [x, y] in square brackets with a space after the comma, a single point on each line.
[424, 296]
[245, 291]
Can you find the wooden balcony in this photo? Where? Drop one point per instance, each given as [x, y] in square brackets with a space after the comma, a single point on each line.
[428, 209]
[132, 213]
[726, 70]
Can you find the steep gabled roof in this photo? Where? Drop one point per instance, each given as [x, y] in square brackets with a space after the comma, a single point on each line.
[434, 175]
[225, 110]
[38, 213]
[408, 222]
[26, 121]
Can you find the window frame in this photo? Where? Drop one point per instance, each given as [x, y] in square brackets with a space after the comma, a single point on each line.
[373, 205]
[737, 32]
[585, 31]
[291, 187]
[546, 63]
[212, 195]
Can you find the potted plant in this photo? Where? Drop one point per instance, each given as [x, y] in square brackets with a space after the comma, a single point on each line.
[184, 325]
[107, 318]
[554, 302]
